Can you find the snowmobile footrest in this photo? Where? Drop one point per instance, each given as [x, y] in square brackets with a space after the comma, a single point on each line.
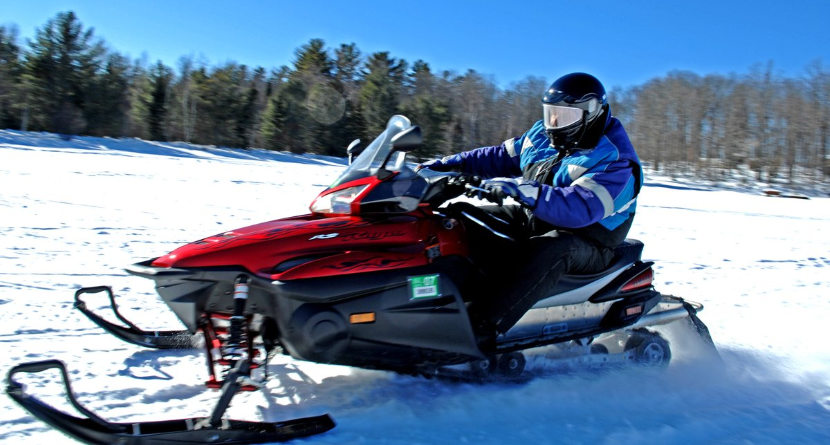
[200, 430]
[131, 333]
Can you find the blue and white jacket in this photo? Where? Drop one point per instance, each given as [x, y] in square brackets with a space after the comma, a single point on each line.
[590, 189]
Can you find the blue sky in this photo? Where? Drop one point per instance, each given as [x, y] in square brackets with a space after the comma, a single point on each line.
[624, 43]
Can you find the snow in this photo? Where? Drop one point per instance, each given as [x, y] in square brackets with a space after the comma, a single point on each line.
[75, 212]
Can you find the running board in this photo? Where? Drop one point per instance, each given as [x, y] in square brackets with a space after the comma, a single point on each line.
[131, 333]
[199, 430]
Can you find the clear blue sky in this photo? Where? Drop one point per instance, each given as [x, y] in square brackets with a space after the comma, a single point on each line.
[623, 42]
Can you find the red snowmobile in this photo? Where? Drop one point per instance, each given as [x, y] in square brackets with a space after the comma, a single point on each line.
[376, 276]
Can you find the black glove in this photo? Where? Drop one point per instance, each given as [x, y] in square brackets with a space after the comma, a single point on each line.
[525, 192]
[445, 164]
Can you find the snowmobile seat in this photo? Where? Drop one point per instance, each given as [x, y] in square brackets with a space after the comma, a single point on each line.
[629, 251]
[626, 253]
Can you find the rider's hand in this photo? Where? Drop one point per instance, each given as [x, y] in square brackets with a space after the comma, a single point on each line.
[525, 192]
[445, 164]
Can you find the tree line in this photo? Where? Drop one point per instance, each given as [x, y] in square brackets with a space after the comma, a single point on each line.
[67, 81]
[767, 126]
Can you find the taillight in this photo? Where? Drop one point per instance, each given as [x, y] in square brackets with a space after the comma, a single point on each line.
[641, 281]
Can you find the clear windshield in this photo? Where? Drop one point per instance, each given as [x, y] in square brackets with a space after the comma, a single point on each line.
[370, 160]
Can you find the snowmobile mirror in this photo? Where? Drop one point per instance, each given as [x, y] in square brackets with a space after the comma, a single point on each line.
[401, 143]
[393, 162]
[397, 161]
[352, 150]
[408, 139]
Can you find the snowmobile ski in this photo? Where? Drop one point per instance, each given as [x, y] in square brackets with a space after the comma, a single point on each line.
[131, 333]
[199, 430]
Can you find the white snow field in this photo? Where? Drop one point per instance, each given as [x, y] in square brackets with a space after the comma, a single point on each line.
[74, 213]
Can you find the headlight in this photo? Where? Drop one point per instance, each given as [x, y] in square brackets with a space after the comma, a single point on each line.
[339, 202]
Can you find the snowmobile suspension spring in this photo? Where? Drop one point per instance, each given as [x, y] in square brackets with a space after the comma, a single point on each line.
[240, 299]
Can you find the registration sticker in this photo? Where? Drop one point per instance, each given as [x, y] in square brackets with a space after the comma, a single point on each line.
[425, 286]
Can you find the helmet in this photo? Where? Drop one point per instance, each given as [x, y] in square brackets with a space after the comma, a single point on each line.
[575, 107]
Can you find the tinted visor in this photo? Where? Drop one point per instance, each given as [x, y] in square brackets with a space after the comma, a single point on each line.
[557, 116]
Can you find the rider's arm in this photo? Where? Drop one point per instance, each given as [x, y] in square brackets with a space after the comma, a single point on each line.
[503, 160]
[490, 162]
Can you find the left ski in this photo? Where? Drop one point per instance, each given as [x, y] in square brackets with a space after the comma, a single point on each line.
[199, 430]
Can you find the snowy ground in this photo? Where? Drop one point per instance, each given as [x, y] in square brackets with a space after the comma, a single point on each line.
[75, 212]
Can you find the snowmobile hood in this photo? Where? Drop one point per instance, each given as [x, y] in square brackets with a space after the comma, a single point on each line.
[273, 248]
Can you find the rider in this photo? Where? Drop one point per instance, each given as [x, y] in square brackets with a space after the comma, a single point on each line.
[576, 200]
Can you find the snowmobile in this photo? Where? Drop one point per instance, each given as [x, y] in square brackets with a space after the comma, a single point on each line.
[376, 276]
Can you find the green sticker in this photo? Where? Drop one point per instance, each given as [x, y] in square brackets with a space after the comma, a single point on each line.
[425, 286]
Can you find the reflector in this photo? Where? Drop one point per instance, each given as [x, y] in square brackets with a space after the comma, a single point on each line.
[634, 310]
[363, 317]
[642, 280]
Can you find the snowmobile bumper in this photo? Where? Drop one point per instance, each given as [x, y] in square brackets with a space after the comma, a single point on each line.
[669, 309]
[131, 333]
[673, 308]
[95, 430]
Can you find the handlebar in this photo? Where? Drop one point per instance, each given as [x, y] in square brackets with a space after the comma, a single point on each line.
[456, 184]
[475, 191]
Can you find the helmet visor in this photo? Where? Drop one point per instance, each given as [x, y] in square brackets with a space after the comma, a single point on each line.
[557, 116]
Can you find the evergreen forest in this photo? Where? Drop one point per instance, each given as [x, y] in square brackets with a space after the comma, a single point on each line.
[66, 80]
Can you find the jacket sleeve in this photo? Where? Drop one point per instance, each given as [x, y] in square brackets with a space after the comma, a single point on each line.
[491, 162]
[589, 199]
[503, 160]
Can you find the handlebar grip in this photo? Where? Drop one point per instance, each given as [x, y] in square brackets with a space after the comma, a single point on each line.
[482, 193]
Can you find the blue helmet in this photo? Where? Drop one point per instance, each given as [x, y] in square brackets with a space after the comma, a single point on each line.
[575, 107]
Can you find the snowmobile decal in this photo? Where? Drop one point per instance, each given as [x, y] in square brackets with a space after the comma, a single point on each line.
[366, 264]
[324, 236]
[424, 287]
[371, 236]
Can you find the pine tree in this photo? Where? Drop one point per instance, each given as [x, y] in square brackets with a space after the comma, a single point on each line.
[281, 124]
[246, 118]
[138, 88]
[347, 82]
[107, 101]
[222, 97]
[184, 113]
[157, 106]
[426, 108]
[306, 106]
[381, 91]
[62, 63]
[10, 79]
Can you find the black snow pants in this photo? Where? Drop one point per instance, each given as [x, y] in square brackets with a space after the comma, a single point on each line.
[521, 260]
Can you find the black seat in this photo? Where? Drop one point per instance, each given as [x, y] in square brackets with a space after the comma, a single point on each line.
[626, 253]
[629, 251]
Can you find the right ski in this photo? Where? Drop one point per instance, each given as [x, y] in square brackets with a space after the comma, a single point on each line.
[131, 333]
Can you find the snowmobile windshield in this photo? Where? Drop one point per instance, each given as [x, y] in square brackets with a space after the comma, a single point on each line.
[372, 158]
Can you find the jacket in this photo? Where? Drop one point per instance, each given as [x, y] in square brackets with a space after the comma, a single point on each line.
[588, 191]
